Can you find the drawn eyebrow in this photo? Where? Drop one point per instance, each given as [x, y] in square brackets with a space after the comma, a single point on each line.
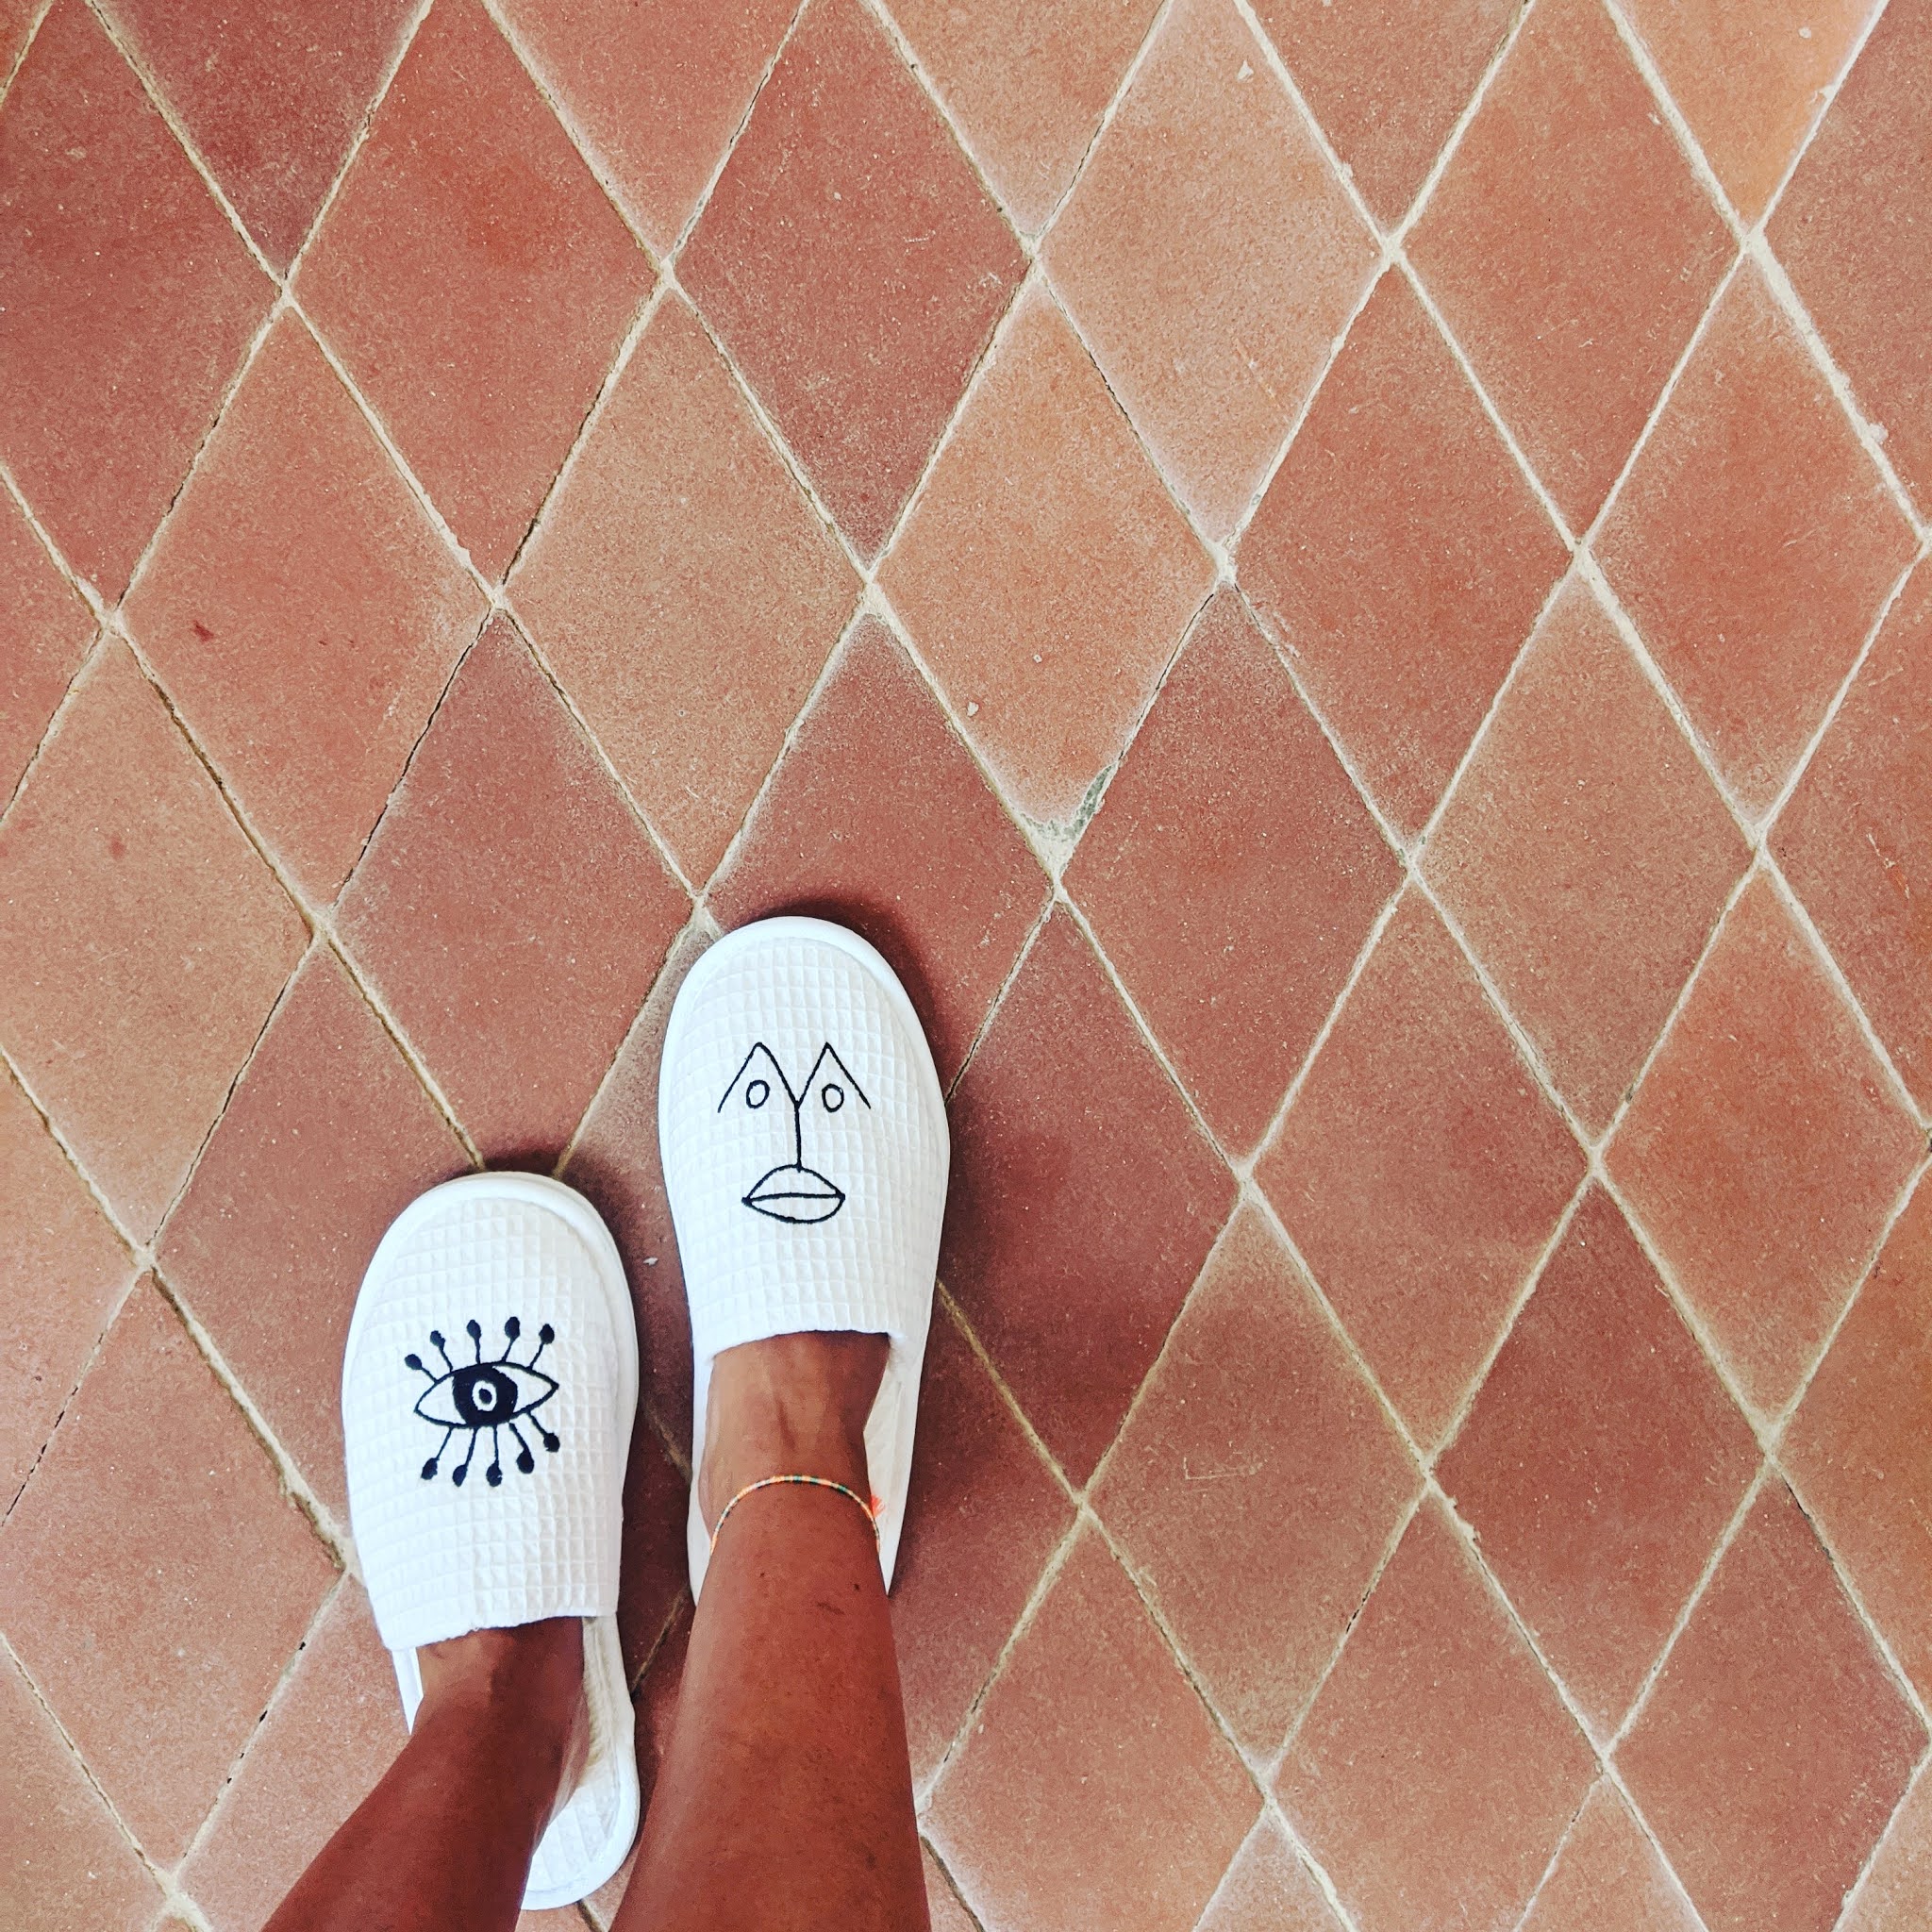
[830, 1051]
[761, 1048]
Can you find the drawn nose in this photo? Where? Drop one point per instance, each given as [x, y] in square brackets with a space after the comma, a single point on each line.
[792, 1192]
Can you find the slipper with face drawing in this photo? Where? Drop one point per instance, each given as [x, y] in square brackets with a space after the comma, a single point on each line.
[488, 1387]
[806, 1154]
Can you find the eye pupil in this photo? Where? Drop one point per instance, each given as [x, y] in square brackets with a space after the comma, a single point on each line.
[758, 1094]
[833, 1095]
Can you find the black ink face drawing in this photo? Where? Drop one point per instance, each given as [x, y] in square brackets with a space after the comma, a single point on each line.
[493, 1395]
[794, 1192]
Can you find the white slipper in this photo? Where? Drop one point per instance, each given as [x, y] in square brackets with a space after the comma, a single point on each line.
[805, 1154]
[488, 1387]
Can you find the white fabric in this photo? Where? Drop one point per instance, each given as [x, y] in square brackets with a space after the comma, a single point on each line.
[796, 1072]
[442, 1558]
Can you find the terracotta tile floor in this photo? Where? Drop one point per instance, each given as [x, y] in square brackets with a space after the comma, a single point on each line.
[1343, 588]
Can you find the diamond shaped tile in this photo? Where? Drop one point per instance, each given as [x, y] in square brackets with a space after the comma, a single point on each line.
[1586, 855]
[1750, 78]
[1851, 228]
[852, 265]
[983, 1517]
[329, 1138]
[1852, 842]
[126, 299]
[67, 1866]
[913, 848]
[1897, 1894]
[1438, 1768]
[54, 1238]
[1209, 256]
[1268, 1889]
[1400, 556]
[302, 612]
[271, 95]
[655, 93]
[1027, 82]
[1045, 572]
[1387, 81]
[510, 909]
[1233, 892]
[1600, 1464]
[1258, 1485]
[1765, 1149]
[683, 590]
[1775, 1743]
[156, 940]
[1571, 250]
[474, 279]
[1420, 1169]
[44, 630]
[1754, 542]
[154, 1583]
[1094, 1787]
[1860, 1447]
[1083, 1202]
[334, 1728]
[1608, 1874]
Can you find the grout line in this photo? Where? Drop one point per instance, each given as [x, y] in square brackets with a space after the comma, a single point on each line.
[1562, 1845]
[1853, 1913]
[26, 48]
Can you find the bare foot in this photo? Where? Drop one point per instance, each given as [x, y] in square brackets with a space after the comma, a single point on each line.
[793, 1404]
[533, 1673]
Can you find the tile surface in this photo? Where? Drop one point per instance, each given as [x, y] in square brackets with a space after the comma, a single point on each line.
[1608, 1874]
[1897, 1891]
[44, 632]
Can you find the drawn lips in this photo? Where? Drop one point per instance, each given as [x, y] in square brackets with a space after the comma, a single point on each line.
[792, 1192]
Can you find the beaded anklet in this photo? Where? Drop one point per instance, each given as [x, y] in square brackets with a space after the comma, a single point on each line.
[817, 1482]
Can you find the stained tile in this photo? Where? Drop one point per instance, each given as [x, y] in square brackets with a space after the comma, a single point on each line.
[1608, 1874]
[1600, 1464]
[1400, 556]
[656, 92]
[1571, 249]
[1258, 1485]
[329, 1138]
[1754, 542]
[510, 910]
[1586, 855]
[614, 1161]
[914, 851]
[1775, 1743]
[302, 612]
[1093, 1789]
[126, 299]
[69, 1270]
[334, 1728]
[1232, 894]
[44, 632]
[853, 264]
[1209, 256]
[156, 940]
[155, 1584]
[271, 95]
[1438, 1768]
[1851, 230]
[1896, 1895]
[1749, 78]
[1860, 1447]
[1387, 81]
[474, 279]
[1268, 1889]
[683, 590]
[1765, 1149]
[1083, 1200]
[1420, 1169]
[1851, 838]
[1027, 82]
[1044, 573]
[65, 1866]
[983, 1518]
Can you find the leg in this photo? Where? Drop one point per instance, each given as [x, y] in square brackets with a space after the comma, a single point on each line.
[785, 1800]
[445, 1839]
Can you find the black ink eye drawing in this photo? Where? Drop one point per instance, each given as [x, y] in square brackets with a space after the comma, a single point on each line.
[493, 1395]
[792, 1191]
